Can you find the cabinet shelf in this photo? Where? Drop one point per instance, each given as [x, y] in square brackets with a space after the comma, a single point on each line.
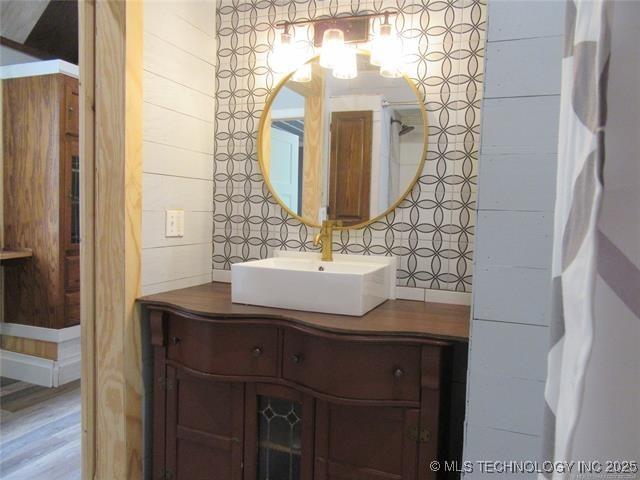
[13, 255]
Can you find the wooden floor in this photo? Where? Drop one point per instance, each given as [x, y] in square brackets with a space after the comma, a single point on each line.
[39, 431]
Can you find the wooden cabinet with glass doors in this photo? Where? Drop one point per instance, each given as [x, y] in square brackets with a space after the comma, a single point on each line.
[42, 199]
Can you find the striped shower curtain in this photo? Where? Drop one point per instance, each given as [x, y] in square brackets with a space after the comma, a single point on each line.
[578, 195]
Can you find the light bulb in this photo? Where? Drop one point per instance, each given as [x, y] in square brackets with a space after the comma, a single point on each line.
[303, 74]
[346, 65]
[386, 49]
[332, 45]
[284, 54]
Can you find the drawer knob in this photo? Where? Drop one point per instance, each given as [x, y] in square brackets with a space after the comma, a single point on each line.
[256, 352]
[175, 340]
[297, 358]
[398, 372]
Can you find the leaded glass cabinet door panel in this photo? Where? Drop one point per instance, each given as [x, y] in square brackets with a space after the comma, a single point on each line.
[279, 433]
[71, 196]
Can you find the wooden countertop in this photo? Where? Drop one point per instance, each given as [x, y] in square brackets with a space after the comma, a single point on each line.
[17, 254]
[394, 317]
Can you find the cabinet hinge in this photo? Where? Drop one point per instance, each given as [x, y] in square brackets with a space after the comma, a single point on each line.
[166, 383]
[166, 474]
[418, 434]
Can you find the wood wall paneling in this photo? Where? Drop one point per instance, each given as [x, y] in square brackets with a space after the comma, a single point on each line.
[485, 443]
[164, 191]
[197, 13]
[532, 192]
[520, 125]
[179, 113]
[170, 263]
[166, 93]
[512, 294]
[527, 394]
[517, 67]
[161, 18]
[173, 128]
[503, 234]
[526, 345]
[175, 161]
[177, 283]
[523, 19]
[111, 47]
[510, 338]
[178, 65]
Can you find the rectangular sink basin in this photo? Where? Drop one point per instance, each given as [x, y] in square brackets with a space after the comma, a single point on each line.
[349, 285]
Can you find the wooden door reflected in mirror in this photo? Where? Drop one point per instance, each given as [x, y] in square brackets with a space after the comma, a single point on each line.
[347, 150]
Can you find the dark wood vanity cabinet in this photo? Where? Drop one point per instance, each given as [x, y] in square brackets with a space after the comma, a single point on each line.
[203, 427]
[262, 398]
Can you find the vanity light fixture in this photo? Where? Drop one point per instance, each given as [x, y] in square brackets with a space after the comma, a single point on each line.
[333, 47]
[331, 36]
[386, 50]
[284, 54]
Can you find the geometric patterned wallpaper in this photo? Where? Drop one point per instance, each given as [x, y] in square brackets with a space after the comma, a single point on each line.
[432, 230]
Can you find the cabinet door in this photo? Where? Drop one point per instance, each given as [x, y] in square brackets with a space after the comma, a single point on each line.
[278, 433]
[203, 428]
[70, 230]
[350, 166]
[70, 201]
[365, 443]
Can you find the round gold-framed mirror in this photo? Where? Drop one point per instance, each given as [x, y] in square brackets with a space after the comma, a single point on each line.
[343, 149]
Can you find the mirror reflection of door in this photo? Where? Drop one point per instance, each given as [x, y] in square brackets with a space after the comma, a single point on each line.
[285, 166]
[361, 144]
[350, 166]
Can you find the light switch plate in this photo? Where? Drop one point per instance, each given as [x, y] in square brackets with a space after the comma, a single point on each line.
[175, 223]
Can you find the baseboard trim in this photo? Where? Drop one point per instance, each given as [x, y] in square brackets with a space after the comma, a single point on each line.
[26, 368]
[38, 370]
[69, 370]
[40, 333]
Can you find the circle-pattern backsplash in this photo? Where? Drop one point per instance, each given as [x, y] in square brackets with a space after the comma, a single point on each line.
[432, 230]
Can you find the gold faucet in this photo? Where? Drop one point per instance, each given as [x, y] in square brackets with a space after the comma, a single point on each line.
[325, 238]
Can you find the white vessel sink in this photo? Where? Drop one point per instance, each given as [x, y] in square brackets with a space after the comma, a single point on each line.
[349, 285]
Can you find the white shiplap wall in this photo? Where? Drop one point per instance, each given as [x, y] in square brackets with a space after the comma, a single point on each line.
[511, 293]
[179, 110]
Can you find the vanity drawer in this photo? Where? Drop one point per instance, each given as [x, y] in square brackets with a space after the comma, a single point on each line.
[223, 349]
[350, 369]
